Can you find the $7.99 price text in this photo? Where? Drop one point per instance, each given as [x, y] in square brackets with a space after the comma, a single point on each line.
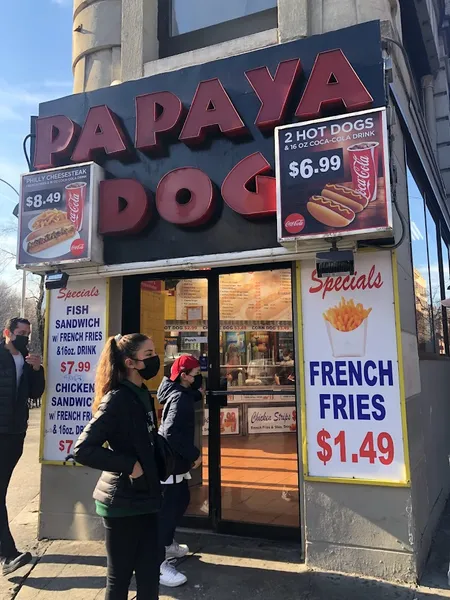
[70, 366]
[373, 448]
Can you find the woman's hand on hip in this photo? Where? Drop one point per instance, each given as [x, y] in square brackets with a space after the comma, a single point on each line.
[137, 471]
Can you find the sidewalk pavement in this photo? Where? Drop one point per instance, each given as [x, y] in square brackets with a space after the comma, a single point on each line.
[223, 569]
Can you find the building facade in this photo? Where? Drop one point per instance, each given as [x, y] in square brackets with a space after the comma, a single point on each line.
[126, 48]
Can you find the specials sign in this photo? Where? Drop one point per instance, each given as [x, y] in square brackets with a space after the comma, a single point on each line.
[333, 178]
[58, 212]
[352, 376]
[190, 153]
[77, 317]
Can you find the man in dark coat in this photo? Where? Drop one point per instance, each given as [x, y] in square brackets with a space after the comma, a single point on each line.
[21, 378]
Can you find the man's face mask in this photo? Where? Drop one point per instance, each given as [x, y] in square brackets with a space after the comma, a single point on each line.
[21, 342]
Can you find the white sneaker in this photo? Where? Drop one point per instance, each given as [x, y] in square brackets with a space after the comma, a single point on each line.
[176, 550]
[169, 576]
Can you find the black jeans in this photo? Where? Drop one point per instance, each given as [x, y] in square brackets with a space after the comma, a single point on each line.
[176, 498]
[132, 547]
[11, 448]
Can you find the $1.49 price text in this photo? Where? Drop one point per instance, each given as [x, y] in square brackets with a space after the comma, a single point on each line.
[373, 448]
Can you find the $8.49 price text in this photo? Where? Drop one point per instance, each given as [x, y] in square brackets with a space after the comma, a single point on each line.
[373, 448]
[42, 200]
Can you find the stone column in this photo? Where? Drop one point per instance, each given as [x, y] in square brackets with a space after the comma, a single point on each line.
[96, 51]
[329, 15]
[139, 36]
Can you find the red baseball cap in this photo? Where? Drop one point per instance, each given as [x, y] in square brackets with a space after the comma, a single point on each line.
[182, 364]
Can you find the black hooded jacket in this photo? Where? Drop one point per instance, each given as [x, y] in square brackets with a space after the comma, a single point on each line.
[13, 398]
[121, 421]
[178, 422]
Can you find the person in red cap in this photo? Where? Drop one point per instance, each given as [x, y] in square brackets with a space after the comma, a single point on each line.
[178, 395]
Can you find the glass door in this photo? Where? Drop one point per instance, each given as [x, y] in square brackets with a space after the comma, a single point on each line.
[174, 312]
[258, 425]
[240, 327]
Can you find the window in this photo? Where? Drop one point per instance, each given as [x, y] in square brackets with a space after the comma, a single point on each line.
[431, 270]
[191, 15]
[186, 25]
[435, 283]
[446, 284]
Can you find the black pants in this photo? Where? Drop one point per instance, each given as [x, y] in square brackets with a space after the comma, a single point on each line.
[176, 498]
[11, 448]
[132, 547]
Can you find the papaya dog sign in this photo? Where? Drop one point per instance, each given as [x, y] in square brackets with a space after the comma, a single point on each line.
[58, 217]
[333, 178]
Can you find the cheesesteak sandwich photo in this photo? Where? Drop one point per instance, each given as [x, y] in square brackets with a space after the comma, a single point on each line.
[51, 235]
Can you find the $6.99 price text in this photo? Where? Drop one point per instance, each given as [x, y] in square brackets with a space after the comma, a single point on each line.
[373, 448]
[307, 168]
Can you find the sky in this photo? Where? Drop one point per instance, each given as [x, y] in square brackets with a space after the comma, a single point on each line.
[35, 66]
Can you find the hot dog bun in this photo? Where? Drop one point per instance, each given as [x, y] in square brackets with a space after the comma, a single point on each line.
[49, 236]
[329, 212]
[346, 196]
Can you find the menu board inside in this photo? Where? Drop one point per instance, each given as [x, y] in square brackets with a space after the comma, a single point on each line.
[256, 342]
[77, 328]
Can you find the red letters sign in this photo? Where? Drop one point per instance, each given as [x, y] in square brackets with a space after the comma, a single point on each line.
[333, 85]
[187, 196]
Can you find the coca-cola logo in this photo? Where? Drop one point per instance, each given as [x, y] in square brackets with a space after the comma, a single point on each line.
[366, 281]
[362, 169]
[75, 198]
[77, 247]
[294, 223]
[65, 294]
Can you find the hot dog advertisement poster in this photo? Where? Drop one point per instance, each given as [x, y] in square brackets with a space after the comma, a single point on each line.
[58, 216]
[333, 178]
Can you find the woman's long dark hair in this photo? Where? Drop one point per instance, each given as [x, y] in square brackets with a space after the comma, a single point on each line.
[111, 369]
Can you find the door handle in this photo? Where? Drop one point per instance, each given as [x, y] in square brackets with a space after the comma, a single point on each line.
[220, 396]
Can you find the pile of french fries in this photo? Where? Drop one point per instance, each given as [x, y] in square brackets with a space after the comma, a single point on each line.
[346, 316]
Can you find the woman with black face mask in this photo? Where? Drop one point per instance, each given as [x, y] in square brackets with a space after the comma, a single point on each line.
[128, 493]
[178, 395]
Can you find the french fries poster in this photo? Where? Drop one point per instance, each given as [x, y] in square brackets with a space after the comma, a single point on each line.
[56, 215]
[333, 178]
[352, 380]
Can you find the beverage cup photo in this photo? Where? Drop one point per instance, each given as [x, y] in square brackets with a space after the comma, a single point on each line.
[363, 159]
[75, 201]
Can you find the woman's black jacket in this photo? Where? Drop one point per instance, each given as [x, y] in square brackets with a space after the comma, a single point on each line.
[121, 422]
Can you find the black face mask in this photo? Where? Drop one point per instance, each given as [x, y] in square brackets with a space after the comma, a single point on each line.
[151, 368]
[197, 383]
[21, 343]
